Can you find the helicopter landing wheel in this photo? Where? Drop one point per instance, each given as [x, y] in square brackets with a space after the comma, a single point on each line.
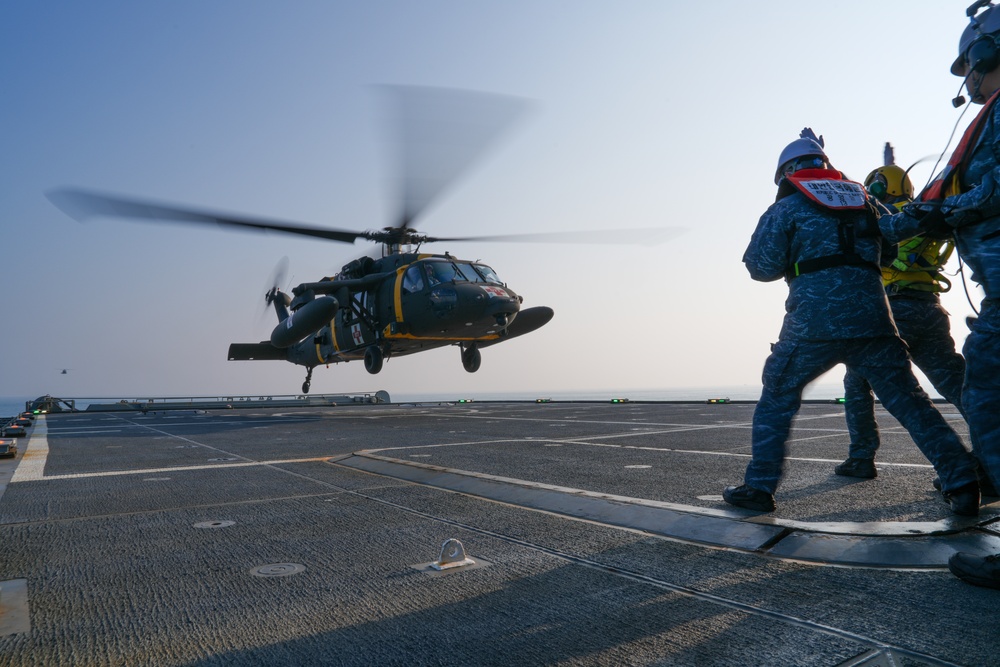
[305, 385]
[471, 358]
[373, 359]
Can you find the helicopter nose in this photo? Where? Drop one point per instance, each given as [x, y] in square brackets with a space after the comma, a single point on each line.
[500, 303]
[475, 303]
[503, 309]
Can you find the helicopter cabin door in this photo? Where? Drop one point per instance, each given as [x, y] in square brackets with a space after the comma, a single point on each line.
[413, 299]
[354, 329]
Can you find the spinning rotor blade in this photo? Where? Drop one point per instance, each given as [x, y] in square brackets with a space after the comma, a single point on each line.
[278, 274]
[276, 280]
[272, 291]
[648, 236]
[441, 132]
[274, 283]
[83, 204]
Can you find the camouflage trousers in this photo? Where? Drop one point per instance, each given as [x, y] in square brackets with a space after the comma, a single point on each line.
[883, 362]
[924, 325]
[981, 398]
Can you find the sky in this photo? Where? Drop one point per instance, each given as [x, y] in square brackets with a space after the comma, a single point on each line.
[642, 113]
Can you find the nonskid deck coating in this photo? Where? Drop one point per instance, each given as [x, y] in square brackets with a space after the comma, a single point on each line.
[670, 460]
[646, 466]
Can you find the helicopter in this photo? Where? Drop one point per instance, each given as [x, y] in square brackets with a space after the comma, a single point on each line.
[402, 301]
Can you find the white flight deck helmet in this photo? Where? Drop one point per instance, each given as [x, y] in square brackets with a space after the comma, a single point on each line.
[807, 144]
[978, 48]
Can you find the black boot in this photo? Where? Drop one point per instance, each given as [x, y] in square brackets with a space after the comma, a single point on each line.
[749, 498]
[862, 468]
[964, 500]
[986, 487]
[976, 570]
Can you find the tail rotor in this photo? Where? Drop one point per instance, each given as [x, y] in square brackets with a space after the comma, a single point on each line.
[273, 296]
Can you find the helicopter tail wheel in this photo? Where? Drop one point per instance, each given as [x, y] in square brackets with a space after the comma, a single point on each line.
[373, 359]
[471, 358]
[305, 385]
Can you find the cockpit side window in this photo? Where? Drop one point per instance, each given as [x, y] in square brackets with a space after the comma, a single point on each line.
[413, 280]
[488, 274]
[440, 272]
[469, 273]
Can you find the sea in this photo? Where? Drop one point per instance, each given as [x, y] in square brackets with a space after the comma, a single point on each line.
[13, 405]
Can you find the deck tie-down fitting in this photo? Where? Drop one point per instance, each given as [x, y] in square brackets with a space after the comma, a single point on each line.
[452, 555]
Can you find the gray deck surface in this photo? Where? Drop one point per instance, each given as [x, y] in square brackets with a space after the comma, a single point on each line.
[598, 530]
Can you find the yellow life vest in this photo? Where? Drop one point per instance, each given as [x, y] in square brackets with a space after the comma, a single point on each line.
[919, 266]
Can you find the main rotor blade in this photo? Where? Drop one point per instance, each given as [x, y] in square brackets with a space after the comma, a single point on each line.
[82, 204]
[440, 133]
[647, 236]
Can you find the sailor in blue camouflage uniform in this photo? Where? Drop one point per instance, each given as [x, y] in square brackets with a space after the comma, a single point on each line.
[913, 280]
[821, 235]
[965, 200]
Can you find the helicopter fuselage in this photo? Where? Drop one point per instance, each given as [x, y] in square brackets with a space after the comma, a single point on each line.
[400, 304]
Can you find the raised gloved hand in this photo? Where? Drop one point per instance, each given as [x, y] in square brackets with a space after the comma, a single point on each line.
[807, 133]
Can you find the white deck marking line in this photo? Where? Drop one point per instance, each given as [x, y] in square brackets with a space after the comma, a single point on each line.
[638, 423]
[582, 443]
[61, 429]
[180, 437]
[32, 465]
[150, 471]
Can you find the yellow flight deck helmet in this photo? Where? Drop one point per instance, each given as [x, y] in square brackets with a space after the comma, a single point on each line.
[889, 184]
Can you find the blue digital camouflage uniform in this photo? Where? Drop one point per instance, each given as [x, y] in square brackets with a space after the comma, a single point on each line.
[835, 315]
[924, 325]
[975, 219]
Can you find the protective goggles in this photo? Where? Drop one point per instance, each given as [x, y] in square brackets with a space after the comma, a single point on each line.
[805, 162]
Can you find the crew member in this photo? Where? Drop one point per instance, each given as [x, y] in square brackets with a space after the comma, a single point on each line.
[836, 312]
[965, 200]
[912, 282]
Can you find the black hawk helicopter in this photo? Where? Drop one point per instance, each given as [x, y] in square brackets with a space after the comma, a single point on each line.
[403, 301]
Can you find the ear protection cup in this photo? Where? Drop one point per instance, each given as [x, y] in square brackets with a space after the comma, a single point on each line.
[878, 190]
[983, 54]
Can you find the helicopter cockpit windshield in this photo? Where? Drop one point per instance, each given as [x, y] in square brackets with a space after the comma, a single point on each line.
[439, 271]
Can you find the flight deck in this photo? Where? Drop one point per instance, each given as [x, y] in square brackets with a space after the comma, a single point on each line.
[588, 533]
